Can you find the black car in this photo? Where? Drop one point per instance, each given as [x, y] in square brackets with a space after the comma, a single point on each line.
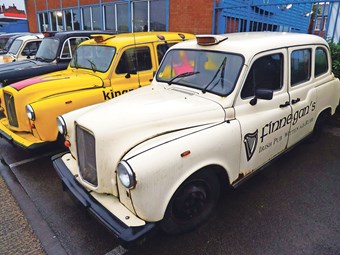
[54, 54]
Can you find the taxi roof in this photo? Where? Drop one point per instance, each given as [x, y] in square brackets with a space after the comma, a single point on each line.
[140, 37]
[249, 44]
[30, 36]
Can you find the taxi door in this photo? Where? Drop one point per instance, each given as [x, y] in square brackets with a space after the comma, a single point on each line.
[133, 69]
[302, 93]
[262, 109]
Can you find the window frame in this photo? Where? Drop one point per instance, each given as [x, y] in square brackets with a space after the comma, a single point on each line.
[282, 74]
[324, 49]
[135, 49]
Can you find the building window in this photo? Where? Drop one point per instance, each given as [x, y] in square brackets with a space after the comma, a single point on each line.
[86, 15]
[96, 21]
[140, 13]
[157, 15]
[320, 24]
[129, 16]
[43, 22]
[149, 15]
[76, 19]
[122, 18]
[110, 17]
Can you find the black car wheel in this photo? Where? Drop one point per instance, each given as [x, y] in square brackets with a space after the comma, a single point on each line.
[192, 203]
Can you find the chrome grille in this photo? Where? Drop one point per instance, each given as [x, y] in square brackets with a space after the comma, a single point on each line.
[10, 109]
[86, 151]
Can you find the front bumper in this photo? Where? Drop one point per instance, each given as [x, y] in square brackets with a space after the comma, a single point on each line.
[23, 139]
[114, 218]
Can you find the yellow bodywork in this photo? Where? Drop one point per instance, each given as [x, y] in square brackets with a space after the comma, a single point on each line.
[56, 93]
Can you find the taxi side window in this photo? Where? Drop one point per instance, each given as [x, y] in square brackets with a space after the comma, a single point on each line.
[135, 60]
[300, 69]
[265, 73]
[162, 49]
[30, 49]
[321, 61]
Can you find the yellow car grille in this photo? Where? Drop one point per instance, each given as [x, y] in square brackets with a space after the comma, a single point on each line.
[10, 109]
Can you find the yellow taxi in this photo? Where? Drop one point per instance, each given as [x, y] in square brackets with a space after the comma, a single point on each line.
[101, 69]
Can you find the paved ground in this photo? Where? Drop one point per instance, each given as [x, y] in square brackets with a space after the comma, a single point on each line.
[16, 235]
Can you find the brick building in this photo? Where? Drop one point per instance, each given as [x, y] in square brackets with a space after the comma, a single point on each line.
[194, 16]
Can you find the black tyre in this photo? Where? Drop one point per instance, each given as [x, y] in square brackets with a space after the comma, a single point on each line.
[192, 203]
[318, 127]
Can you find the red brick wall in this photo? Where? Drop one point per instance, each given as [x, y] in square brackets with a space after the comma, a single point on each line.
[69, 3]
[193, 16]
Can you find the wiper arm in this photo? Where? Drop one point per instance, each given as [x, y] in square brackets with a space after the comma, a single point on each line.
[93, 65]
[221, 79]
[182, 75]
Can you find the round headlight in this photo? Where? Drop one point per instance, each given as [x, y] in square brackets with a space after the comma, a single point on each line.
[61, 125]
[30, 112]
[126, 175]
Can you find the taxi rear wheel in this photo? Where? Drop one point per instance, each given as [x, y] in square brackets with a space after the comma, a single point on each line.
[192, 203]
[318, 127]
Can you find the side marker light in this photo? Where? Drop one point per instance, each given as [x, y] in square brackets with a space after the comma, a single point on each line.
[185, 153]
[67, 143]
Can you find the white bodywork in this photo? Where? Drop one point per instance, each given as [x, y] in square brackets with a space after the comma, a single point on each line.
[151, 127]
[18, 54]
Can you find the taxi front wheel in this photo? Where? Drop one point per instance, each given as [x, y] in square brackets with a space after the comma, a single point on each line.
[192, 203]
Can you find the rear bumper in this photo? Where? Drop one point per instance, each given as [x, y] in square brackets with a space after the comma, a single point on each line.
[125, 233]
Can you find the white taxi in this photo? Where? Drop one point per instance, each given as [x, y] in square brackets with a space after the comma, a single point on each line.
[23, 47]
[219, 109]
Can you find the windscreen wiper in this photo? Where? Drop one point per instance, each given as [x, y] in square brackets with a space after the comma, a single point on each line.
[221, 79]
[182, 75]
[93, 66]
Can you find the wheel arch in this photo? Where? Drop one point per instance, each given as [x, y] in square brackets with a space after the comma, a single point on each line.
[211, 174]
[219, 171]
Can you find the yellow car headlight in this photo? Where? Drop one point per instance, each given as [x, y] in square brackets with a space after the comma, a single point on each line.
[30, 112]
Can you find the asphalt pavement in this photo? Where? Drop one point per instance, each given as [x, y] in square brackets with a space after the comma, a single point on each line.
[16, 235]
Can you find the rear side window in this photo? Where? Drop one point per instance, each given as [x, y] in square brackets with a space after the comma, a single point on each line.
[135, 60]
[265, 73]
[321, 61]
[300, 66]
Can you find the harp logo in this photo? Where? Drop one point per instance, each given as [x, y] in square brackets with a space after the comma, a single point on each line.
[250, 143]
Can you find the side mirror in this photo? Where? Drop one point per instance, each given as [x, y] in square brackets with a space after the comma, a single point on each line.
[264, 94]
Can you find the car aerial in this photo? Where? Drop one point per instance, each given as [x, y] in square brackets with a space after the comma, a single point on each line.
[218, 110]
[7, 39]
[101, 69]
[54, 54]
[23, 47]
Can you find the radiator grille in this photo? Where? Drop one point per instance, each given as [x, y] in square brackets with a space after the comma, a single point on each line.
[10, 109]
[86, 151]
